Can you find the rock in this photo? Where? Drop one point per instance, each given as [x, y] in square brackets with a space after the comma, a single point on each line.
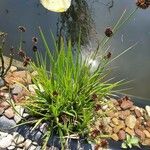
[106, 121]
[104, 107]
[6, 124]
[43, 127]
[121, 135]
[21, 145]
[22, 77]
[4, 104]
[18, 139]
[115, 137]
[130, 121]
[146, 142]
[115, 121]
[12, 69]
[32, 88]
[148, 123]
[11, 147]
[25, 115]
[138, 113]
[17, 89]
[129, 131]
[1, 110]
[32, 147]
[18, 116]
[147, 108]
[27, 143]
[140, 133]
[2, 82]
[6, 141]
[117, 128]
[38, 148]
[35, 143]
[9, 113]
[126, 104]
[3, 134]
[147, 133]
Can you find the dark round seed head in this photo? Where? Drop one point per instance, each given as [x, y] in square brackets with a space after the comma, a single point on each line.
[34, 48]
[22, 29]
[21, 53]
[34, 40]
[144, 4]
[108, 32]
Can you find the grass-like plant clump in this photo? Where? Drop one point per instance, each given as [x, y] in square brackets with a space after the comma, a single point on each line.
[67, 87]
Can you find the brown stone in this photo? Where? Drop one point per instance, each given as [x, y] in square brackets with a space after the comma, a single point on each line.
[115, 137]
[146, 142]
[116, 129]
[138, 113]
[130, 131]
[1, 110]
[148, 123]
[9, 113]
[124, 114]
[115, 121]
[4, 104]
[126, 104]
[122, 135]
[130, 121]
[140, 133]
[147, 133]
[18, 76]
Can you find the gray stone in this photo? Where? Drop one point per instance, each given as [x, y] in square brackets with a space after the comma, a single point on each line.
[18, 114]
[6, 124]
[38, 148]
[3, 134]
[6, 141]
[2, 82]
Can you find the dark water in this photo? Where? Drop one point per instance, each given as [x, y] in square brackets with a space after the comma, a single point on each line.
[92, 16]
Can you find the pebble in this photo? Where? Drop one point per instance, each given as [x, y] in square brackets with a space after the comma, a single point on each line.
[9, 113]
[126, 104]
[11, 147]
[18, 115]
[6, 141]
[2, 82]
[32, 88]
[4, 104]
[147, 108]
[138, 113]
[12, 69]
[1, 110]
[129, 131]
[18, 139]
[43, 127]
[121, 135]
[27, 143]
[25, 115]
[3, 134]
[32, 147]
[146, 142]
[147, 133]
[115, 137]
[17, 89]
[140, 133]
[130, 121]
[115, 121]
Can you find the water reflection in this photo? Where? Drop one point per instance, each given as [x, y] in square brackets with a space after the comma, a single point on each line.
[76, 19]
[92, 16]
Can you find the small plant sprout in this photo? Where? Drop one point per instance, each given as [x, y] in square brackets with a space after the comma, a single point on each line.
[130, 141]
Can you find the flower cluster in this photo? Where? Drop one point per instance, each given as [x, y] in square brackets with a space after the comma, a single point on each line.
[143, 4]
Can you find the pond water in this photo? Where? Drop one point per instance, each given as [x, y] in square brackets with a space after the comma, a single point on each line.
[93, 18]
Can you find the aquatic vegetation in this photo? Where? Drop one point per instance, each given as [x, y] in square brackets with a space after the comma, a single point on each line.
[130, 141]
[56, 5]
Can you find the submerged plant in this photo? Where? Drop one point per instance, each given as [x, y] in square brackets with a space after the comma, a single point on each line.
[130, 141]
